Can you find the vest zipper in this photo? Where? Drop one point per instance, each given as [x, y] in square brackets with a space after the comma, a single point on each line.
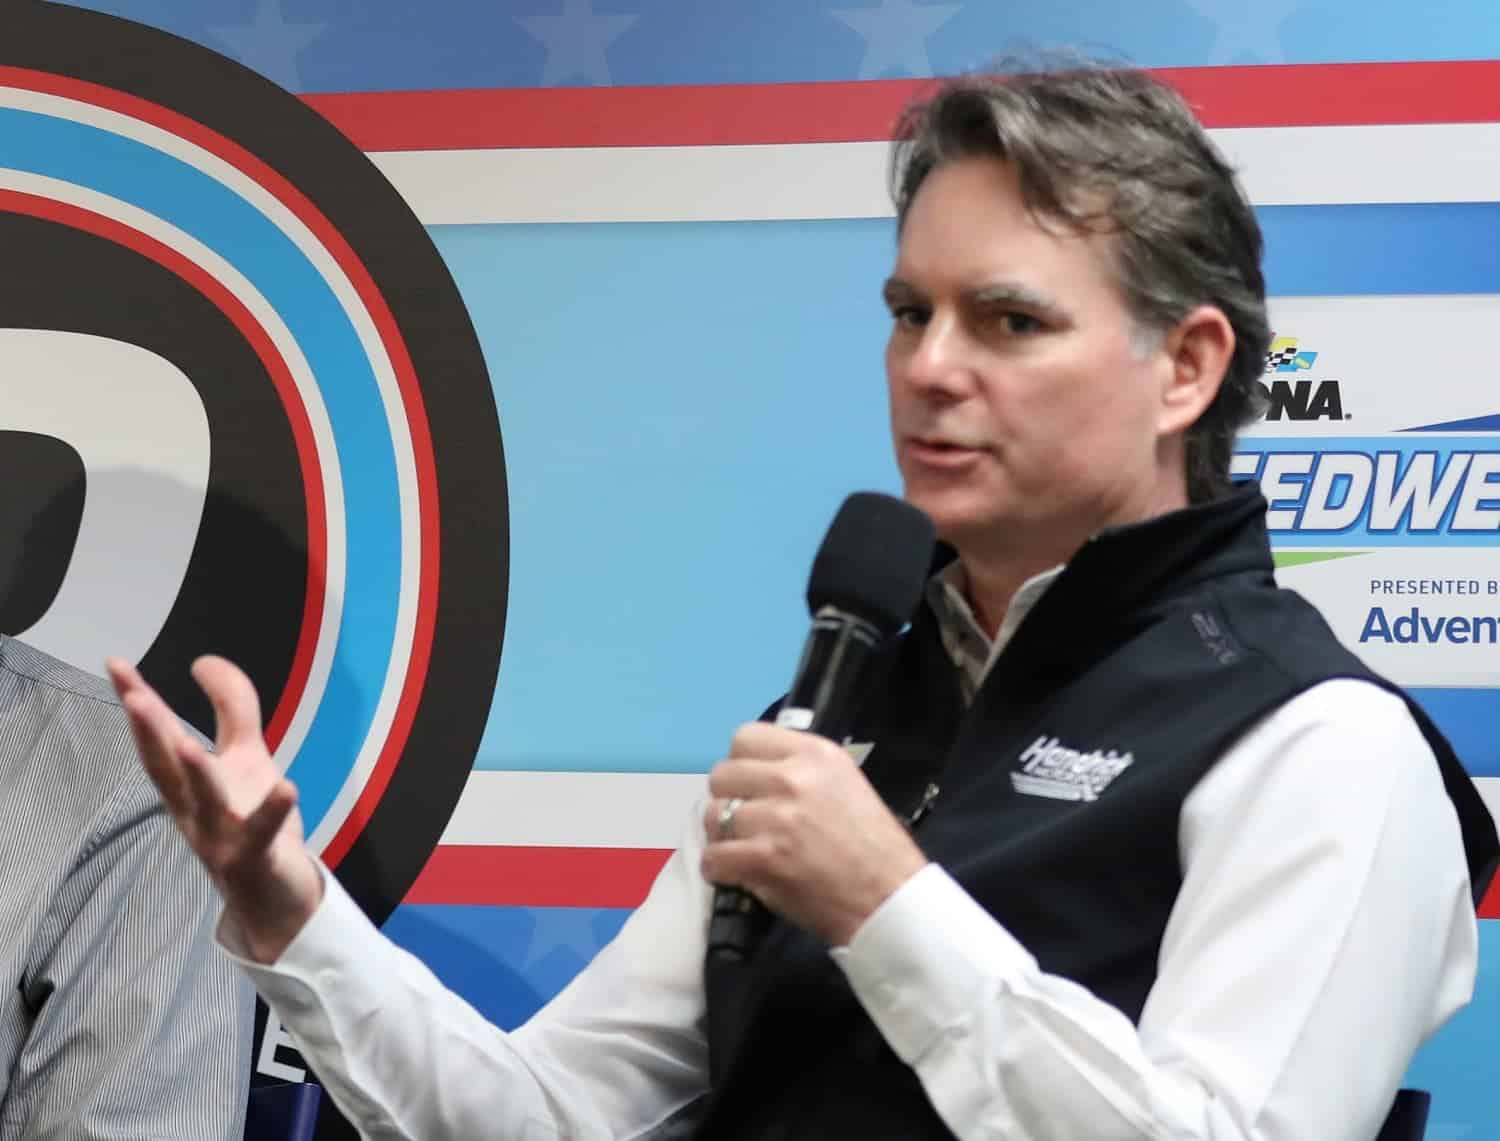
[924, 806]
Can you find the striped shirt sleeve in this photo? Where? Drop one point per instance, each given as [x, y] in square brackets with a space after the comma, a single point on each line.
[140, 1028]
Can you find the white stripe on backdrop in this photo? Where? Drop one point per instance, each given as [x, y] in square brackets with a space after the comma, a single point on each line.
[576, 810]
[1444, 162]
[609, 810]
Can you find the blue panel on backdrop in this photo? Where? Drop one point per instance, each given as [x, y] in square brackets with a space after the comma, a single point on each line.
[1458, 1065]
[505, 961]
[712, 391]
[333, 45]
[1384, 248]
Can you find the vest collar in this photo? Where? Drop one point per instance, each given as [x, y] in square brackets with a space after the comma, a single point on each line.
[1122, 570]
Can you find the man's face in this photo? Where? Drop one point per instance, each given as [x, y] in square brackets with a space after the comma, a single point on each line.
[1024, 407]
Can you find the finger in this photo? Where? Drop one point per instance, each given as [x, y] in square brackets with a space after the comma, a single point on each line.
[714, 827]
[135, 694]
[763, 741]
[764, 819]
[711, 810]
[738, 863]
[122, 675]
[211, 808]
[157, 735]
[262, 825]
[748, 779]
[232, 694]
[149, 713]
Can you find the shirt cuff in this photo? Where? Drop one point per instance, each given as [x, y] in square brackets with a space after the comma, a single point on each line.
[321, 943]
[921, 961]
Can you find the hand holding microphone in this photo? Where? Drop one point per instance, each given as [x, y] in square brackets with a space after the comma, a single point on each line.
[792, 822]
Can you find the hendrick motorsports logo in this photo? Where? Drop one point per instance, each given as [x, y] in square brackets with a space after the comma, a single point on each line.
[1057, 772]
[1292, 396]
[267, 429]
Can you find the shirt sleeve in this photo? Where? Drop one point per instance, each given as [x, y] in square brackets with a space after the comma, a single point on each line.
[141, 1029]
[620, 1050]
[1323, 930]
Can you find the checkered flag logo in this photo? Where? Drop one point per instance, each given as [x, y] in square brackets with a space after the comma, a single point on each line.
[1284, 357]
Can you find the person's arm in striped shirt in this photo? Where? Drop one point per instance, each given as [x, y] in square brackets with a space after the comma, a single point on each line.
[140, 1027]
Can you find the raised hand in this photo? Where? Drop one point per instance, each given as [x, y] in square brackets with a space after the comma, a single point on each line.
[234, 807]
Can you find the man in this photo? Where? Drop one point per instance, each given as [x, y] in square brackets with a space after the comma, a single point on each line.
[1140, 851]
[119, 1020]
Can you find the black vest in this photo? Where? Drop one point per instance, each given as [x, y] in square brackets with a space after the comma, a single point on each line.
[1163, 641]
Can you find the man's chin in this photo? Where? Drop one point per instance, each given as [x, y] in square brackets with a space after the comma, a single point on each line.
[960, 520]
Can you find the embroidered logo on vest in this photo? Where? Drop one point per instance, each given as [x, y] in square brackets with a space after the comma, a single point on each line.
[1053, 770]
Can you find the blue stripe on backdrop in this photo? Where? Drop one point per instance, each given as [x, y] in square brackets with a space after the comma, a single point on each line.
[1470, 719]
[1375, 249]
[714, 390]
[508, 961]
[332, 45]
[505, 961]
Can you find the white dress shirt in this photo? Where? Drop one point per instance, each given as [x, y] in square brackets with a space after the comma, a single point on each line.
[1323, 930]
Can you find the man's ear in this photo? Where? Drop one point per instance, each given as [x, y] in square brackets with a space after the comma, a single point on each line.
[1198, 350]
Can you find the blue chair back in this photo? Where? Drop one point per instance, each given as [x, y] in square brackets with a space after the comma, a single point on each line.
[1408, 1117]
[284, 1111]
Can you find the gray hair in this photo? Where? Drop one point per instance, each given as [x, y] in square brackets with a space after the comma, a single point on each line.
[1114, 150]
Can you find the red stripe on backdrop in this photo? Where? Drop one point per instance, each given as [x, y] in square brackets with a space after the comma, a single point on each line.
[498, 876]
[1489, 906]
[1267, 96]
[479, 875]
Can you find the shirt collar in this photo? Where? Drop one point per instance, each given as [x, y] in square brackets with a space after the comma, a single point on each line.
[969, 647]
[1110, 580]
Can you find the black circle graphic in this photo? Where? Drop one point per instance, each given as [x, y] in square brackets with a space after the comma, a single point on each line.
[246, 579]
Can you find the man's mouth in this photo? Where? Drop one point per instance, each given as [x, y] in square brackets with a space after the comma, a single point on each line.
[939, 449]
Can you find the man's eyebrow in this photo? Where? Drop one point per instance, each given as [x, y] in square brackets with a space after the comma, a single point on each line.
[1014, 293]
[895, 289]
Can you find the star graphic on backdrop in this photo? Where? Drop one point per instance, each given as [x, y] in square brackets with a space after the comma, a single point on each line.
[575, 39]
[896, 35]
[1246, 29]
[577, 933]
[270, 43]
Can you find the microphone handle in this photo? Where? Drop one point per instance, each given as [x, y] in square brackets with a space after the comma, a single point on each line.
[823, 700]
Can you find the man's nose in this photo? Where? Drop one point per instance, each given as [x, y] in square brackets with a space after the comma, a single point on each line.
[939, 362]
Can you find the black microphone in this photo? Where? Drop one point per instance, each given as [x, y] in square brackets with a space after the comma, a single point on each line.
[865, 584]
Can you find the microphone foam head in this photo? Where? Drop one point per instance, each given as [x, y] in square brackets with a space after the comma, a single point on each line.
[874, 561]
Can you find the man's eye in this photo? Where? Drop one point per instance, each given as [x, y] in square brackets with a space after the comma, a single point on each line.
[1019, 324]
[911, 316]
